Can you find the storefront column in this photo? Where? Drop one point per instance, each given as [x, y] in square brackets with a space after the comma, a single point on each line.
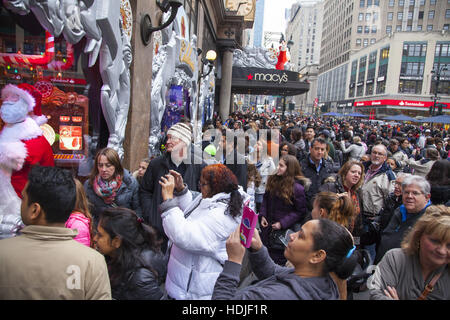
[225, 87]
[138, 125]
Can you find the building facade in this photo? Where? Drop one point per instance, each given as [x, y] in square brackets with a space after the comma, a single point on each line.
[394, 75]
[352, 25]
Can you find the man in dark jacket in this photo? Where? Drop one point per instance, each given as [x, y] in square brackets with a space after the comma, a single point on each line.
[316, 168]
[178, 157]
[416, 198]
[232, 148]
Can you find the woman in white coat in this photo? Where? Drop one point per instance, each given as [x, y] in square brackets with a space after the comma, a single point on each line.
[198, 229]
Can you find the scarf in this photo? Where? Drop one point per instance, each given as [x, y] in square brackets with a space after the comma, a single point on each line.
[107, 189]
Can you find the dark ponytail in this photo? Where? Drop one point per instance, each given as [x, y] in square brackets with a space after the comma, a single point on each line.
[337, 242]
[135, 237]
[235, 205]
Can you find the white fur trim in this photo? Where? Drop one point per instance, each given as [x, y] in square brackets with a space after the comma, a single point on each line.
[12, 155]
[25, 95]
[40, 120]
[26, 130]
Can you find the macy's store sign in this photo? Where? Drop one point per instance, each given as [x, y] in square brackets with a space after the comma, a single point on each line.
[399, 103]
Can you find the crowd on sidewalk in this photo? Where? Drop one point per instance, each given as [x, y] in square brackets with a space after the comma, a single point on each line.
[343, 194]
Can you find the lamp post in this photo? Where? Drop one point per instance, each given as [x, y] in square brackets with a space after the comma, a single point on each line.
[438, 79]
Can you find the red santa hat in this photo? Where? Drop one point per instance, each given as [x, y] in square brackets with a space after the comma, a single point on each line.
[11, 89]
[36, 95]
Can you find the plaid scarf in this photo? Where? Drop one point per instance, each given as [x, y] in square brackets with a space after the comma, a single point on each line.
[107, 189]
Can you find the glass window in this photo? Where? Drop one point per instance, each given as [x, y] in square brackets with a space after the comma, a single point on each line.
[420, 15]
[366, 29]
[391, 3]
[388, 29]
[361, 17]
[373, 40]
[358, 42]
[390, 16]
[399, 15]
[384, 53]
[410, 86]
[419, 27]
[430, 27]
[365, 42]
[362, 3]
[422, 2]
[359, 29]
[410, 15]
[412, 2]
[369, 3]
[398, 28]
[431, 14]
[446, 27]
[368, 16]
[401, 3]
[432, 2]
[447, 14]
[409, 28]
[375, 16]
[374, 29]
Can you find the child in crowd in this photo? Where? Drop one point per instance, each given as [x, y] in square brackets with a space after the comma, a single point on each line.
[80, 218]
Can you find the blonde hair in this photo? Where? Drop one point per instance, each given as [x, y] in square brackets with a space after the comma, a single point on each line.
[340, 209]
[435, 221]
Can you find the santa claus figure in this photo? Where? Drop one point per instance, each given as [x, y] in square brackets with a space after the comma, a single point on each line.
[18, 104]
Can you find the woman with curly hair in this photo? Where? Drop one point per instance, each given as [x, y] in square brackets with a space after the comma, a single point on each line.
[284, 203]
[198, 229]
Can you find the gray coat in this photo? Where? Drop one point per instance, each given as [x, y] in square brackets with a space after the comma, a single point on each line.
[276, 282]
[127, 196]
[404, 273]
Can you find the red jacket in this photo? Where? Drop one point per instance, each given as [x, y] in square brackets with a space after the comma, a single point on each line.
[39, 152]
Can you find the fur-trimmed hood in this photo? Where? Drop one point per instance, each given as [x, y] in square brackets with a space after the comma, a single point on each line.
[305, 182]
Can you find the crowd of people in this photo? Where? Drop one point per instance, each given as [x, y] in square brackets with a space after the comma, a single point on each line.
[336, 191]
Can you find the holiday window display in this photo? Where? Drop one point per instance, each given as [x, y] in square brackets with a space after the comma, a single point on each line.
[68, 124]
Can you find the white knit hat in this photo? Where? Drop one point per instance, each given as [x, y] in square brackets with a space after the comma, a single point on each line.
[181, 131]
[25, 95]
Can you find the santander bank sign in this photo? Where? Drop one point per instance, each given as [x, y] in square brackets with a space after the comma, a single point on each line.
[400, 103]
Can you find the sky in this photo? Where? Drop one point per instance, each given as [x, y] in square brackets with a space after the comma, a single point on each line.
[274, 14]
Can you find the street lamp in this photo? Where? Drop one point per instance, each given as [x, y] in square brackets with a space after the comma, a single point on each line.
[211, 56]
[438, 78]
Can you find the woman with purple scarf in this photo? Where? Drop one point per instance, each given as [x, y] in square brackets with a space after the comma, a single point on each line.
[110, 185]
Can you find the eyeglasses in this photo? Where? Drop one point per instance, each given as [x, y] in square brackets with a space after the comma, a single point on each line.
[413, 193]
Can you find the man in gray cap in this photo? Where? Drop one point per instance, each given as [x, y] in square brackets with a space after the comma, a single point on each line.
[179, 157]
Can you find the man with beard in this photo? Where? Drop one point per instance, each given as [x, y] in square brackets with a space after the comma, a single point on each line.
[178, 157]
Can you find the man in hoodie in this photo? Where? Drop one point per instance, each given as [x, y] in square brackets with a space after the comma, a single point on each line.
[45, 263]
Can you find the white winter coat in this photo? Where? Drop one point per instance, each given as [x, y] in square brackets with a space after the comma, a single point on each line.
[198, 251]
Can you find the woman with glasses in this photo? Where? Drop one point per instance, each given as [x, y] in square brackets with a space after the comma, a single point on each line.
[416, 198]
[419, 270]
[198, 229]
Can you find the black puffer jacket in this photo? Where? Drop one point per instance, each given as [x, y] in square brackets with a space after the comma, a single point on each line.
[143, 283]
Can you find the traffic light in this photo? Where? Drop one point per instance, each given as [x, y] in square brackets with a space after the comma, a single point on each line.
[440, 107]
[431, 110]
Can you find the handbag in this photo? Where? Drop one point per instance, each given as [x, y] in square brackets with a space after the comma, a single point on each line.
[275, 236]
[429, 287]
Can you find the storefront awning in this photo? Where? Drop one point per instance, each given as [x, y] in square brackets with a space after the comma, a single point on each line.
[270, 82]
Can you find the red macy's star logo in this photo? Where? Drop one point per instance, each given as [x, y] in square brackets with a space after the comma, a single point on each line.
[250, 77]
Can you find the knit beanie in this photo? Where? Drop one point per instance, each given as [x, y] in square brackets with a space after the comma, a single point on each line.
[181, 131]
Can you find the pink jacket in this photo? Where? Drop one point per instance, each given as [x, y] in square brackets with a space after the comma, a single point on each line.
[80, 222]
